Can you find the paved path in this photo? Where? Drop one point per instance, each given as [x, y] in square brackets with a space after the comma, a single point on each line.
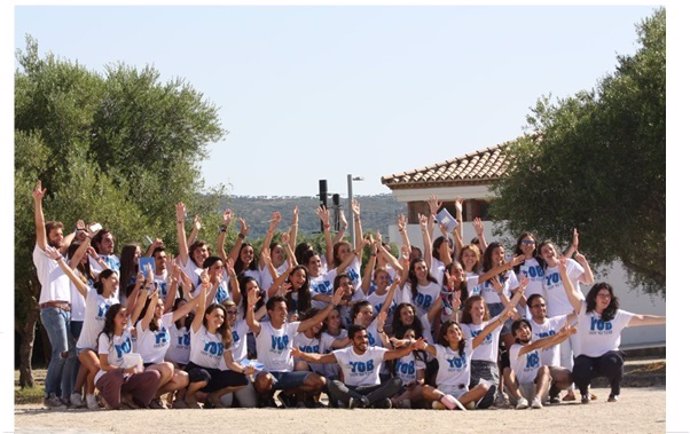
[640, 410]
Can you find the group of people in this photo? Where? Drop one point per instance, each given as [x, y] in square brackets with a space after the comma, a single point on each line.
[447, 326]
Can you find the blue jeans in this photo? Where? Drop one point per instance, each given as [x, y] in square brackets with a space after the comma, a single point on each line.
[62, 356]
[75, 331]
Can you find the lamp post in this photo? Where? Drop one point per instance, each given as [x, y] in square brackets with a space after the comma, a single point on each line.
[350, 178]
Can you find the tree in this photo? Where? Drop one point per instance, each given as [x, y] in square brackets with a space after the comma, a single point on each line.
[596, 161]
[120, 149]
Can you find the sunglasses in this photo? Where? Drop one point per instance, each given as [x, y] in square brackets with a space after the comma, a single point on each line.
[527, 242]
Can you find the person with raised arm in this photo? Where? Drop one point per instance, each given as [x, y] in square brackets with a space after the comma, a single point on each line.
[191, 257]
[274, 338]
[532, 268]
[578, 271]
[480, 241]
[242, 253]
[532, 377]
[361, 386]
[595, 345]
[454, 389]
[344, 253]
[54, 304]
[211, 340]
[121, 382]
[276, 253]
[154, 337]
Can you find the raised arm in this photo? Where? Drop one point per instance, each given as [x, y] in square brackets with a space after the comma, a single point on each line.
[491, 326]
[201, 303]
[419, 344]
[223, 233]
[392, 260]
[273, 225]
[389, 295]
[80, 252]
[233, 282]
[313, 357]
[495, 271]
[148, 315]
[39, 219]
[323, 313]
[182, 311]
[573, 297]
[172, 289]
[426, 238]
[366, 277]
[550, 341]
[358, 234]
[78, 283]
[294, 227]
[457, 232]
[196, 227]
[285, 241]
[434, 206]
[156, 243]
[244, 230]
[402, 228]
[252, 298]
[141, 298]
[325, 218]
[343, 227]
[183, 247]
[479, 230]
[574, 244]
[380, 324]
[587, 277]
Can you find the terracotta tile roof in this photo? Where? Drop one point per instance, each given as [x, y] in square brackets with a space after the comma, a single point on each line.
[479, 167]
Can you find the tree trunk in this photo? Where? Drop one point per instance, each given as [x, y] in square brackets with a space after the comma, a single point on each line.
[27, 331]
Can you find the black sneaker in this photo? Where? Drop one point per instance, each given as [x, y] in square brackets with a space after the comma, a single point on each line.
[384, 404]
[286, 400]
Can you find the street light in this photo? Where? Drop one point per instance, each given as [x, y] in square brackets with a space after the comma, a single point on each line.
[350, 178]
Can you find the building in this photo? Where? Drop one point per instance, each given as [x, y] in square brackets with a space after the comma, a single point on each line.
[470, 177]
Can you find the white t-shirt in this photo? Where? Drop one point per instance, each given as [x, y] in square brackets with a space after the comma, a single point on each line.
[162, 283]
[77, 303]
[239, 339]
[526, 365]
[54, 282]
[255, 274]
[453, 368]
[206, 348]
[273, 346]
[437, 269]
[112, 261]
[360, 370]
[115, 350]
[596, 337]
[556, 298]
[267, 279]
[550, 356]
[192, 271]
[94, 318]
[180, 341]
[535, 273]
[488, 349]
[509, 281]
[377, 301]
[321, 285]
[353, 273]
[426, 296]
[406, 368]
[153, 345]
[473, 286]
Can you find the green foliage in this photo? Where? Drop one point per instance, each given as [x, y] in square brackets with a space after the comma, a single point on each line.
[596, 161]
[120, 149]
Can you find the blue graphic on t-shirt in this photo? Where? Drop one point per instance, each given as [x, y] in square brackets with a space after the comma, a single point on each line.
[457, 362]
[533, 360]
[403, 368]
[600, 325]
[360, 367]
[323, 287]
[214, 348]
[124, 348]
[279, 342]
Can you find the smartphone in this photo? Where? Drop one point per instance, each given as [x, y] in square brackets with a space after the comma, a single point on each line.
[95, 227]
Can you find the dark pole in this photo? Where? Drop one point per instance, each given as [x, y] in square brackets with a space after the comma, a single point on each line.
[323, 195]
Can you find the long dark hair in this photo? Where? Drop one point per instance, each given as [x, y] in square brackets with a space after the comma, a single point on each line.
[311, 313]
[591, 300]
[153, 325]
[224, 329]
[436, 246]
[486, 259]
[109, 322]
[85, 273]
[239, 265]
[99, 282]
[336, 247]
[518, 250]
[463, 284]
[303, 292]
[413, 277]
[442, 336]
[466, 317]
[128, 266]
[356, 308]
[244, 281]
[187, 321]
[398, 326]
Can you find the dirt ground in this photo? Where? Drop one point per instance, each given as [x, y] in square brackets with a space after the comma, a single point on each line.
[640, 410]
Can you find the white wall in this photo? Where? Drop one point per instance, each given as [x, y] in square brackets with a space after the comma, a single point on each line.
[631, 299]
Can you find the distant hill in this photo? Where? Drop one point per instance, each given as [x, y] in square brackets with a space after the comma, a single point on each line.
[377, 211]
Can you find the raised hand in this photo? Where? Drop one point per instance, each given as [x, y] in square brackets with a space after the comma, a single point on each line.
[295, 215]
[576, 240]
[338, 296]
[579, 257]
[478, 226]
[285, 238]
[244, 227]
[180, 212]
[434, 204]
[517, 260]
[343, 220]
[275, 221]
[458, 205]
[197, 222]
[323, 214]
[355, 207]
[227, 216]
[230, 267]
[562, 264]
[52, 253]
[422, 220]
[252, 298]
[381, 320]
[498, 286]
[402, 222]
[456, 302]
[38, 192]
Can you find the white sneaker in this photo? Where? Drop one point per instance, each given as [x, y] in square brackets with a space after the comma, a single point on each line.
[91, 402]
[536, 404]
[521, 404]
[76, 400]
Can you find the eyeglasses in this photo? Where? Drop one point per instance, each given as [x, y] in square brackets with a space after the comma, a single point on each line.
[527, 242]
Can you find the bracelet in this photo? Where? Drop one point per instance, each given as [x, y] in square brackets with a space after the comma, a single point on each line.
[180, 221]
[240, 236]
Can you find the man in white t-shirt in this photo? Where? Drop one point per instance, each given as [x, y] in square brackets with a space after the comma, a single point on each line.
[104, 244]
[54, 304]
[360, 365]
[274, 340]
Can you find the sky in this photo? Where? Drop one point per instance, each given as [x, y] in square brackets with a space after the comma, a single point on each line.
[320, 91]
